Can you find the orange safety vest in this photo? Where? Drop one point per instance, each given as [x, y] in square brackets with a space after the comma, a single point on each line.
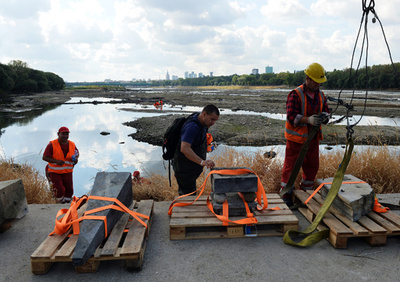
[299, 133]
[59, 155]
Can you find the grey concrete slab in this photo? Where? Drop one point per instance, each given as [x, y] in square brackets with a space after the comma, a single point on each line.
[354, 199]
[233, 183]
[12, 200]
[116, 185]
[241, 259]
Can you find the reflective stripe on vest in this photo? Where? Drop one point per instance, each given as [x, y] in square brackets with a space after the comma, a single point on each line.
[299, 133]
[58, 154]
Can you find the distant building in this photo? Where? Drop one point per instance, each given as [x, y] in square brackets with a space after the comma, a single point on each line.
[186, 74]
[269, 69]
[167, 76]
[254, 71]
[174, 77]
[211, 74]
[201, 75]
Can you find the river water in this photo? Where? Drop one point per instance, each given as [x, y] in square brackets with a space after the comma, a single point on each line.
[25, 140]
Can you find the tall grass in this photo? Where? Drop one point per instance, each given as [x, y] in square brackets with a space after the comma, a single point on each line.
[37, 189]
[378, 166]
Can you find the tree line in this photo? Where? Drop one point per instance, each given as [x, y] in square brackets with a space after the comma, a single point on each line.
[17, 77]
[376, 77]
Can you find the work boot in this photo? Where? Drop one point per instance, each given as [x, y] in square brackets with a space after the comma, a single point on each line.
[306, 187]
[288, 197]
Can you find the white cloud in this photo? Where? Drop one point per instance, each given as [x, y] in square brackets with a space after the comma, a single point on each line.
[92, 40]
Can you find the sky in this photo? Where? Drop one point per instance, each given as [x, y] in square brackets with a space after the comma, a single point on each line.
[94, 40]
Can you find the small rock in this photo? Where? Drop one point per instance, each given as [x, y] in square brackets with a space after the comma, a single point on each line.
[270, 154]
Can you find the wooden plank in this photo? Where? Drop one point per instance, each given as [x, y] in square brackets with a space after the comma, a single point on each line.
[392, 217]
[371, 225]
[49, 246]
[111, 245]
[51, 243]
[136, 234]
[67, 248]
[389, 226]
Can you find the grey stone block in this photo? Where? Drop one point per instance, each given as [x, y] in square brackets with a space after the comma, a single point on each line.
[353, 200]
[92, 232]
[12, 200]
[233, 183]
[235, 204]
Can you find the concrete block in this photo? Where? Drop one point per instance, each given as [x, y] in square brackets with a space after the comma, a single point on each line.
[233, 183]
[353, 200]
[235, 204]
[12, 200]
[92, 232]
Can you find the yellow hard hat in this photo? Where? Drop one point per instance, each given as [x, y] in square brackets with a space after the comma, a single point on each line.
[316, 72]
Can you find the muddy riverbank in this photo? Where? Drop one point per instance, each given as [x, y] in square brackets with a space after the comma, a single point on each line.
[231, 129]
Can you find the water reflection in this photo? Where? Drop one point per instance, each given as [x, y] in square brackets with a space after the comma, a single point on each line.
[26, 140]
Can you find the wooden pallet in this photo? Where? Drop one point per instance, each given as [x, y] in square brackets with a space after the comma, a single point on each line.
[373, 227]
[197, 222]
[127, 241]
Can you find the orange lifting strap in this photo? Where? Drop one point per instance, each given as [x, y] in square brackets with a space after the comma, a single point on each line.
[71, 217]
[261, 198]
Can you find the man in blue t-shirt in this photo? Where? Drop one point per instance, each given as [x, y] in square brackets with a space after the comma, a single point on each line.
[190, 156]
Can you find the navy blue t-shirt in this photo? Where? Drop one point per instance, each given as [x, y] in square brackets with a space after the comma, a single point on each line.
[193, 132]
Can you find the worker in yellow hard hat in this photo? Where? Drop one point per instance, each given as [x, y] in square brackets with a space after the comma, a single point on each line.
[306, 106]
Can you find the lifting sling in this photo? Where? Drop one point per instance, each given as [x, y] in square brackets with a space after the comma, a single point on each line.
[71, 218]
[250, 219]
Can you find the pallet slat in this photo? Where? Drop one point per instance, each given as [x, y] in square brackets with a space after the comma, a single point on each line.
[59, 248]
[198, 222]
[111, 246]
[374, 227]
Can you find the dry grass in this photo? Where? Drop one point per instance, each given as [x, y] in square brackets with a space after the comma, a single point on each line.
[37, 189]
[377, 165]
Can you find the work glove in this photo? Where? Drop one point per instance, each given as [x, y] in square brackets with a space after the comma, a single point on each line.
[325, 117]
[315, 120]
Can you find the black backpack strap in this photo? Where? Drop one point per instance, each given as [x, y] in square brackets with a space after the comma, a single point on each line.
[169, 172]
